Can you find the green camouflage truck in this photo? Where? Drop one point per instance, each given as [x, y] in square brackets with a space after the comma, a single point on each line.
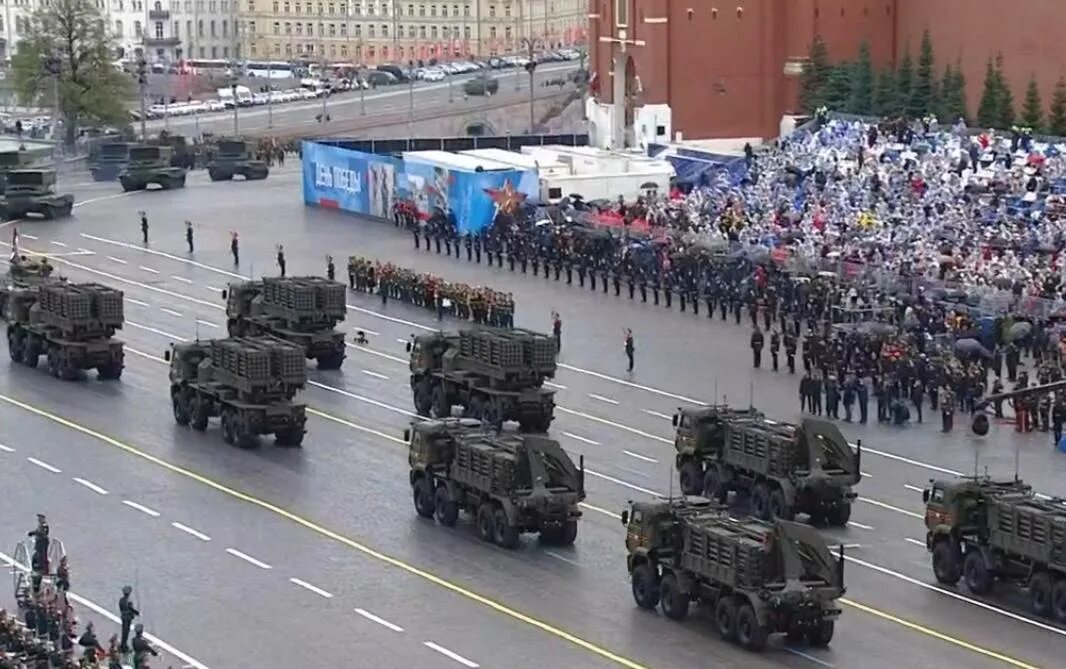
[988, 532]
[783, 469]
[510, 483]
[72, 325]
[496, 375]
[303, 310]
[233, 157]
[107, 162]
[248, 383]
[759, 578]
[151, 165]
[12, 160]
[34, 192]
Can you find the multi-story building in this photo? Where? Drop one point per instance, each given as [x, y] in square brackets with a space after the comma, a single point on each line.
[14, 22]
[379, 31]
[167, 31]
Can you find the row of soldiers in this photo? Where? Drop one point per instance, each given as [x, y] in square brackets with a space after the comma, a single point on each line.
[482, 305]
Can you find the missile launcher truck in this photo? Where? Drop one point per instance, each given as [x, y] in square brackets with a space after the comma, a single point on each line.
[758, 577]
[72, 324]
[248, 382]
[783, 469]
[989, 532]
[495, 375]
[10, 161]
[232, 157]
[151, 165]
[510, 483]
[303, 310]
[34, 192]
[109, 161]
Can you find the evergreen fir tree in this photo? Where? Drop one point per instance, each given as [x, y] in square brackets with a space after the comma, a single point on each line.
[815, 77]
[1056, 120]
[904, 84]
[1005, 116]
[862, 83]
[1032, 107]
[952, 96]
[838, 87]
[920, 100]
[988, 109]
[885, 93]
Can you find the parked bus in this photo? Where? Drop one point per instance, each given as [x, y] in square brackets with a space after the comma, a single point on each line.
[274, 69]
[205, 66]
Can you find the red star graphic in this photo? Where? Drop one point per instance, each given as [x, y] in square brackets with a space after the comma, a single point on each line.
[506, 198]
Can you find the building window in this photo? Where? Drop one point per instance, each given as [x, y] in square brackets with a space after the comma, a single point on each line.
[225, 28]
[410, 10]
[310, 29]
[507, 11]
[287, 8]
[177, 29]
[433, 32]
[118, 28]
[331, 7]
[137, 29]
[422, 32]
[277, 49]
[299, 28]
[370, 31]
[421, 10]
[344, 8]
[225, 52]
[214, 52]
[320, 9]
[621, 12]
[411, 31]
[358, 29]
[212, 27]
[357, 9]
[466, 32]
[384, 31]
[332, 30]
[344, 30]
[277, 28]
[251, 6]
[344, 50]
[433, 10]
[200, 28]
[492, 11]
[332, 50]
[507, 33]
[288, 28]
[466, 10]
[159, 30]
[296, 8]
[307, 6]
[253, 49]
[492, 32]
[188, 29]
[203, 52]
[276, 3]
[288, 49]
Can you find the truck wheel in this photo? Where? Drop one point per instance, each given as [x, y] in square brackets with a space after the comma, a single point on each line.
[213, 175]
[181, 409]
[14, 345]
[31, 351]
[674, 602]
[839, 514]
[446, 509]
[568, 533]
[978, 580]
[330, 361]
[111, 371]
[439, 407]
[1058, 600]
[504, 533]
[691, 478]
[725, 618]
[229, 430]
[126, 185]
[423, 400]
[52, 361]
[199, 415]
[645, 586]
[484, 522]
[48, 212]
[423, 497]
[750, 634]
[946, 563]
[760, 501]
[778, 507]
[821, 634]
[713, 488]
[1040, 594]
[291, 437]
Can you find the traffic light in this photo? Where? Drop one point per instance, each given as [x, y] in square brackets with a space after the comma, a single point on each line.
[142, 72]
[531, 66]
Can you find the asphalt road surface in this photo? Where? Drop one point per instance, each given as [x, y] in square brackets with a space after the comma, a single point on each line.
[347, 109]
[253, 557]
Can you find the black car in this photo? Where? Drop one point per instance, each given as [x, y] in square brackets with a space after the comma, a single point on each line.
[481, 85]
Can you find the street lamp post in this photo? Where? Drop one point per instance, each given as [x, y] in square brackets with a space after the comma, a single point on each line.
[142, 84]
[236, 126]
[411, 99]
[531, 67]
[361, 81]
[270, 93]
[53, 65]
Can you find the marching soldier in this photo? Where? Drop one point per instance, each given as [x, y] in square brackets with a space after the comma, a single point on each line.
[91, 644]
[775, 347]
[629, 348]
[39, 562]
[331, 270]
[127, 612]
[144, 227]
[281, 259]
[790, 351]
[756, 347]
[234, 248]
[141, 648]
[188, 235]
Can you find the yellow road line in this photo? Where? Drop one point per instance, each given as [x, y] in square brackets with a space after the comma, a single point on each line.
[921, 629]
[330, 534]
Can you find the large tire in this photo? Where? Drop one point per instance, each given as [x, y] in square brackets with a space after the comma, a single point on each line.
[1058, 600]
[444, 507]
[291, 437]
[48, 212]
[330, 361]
[438, 406]
[505, 535]
[485, 525]
[978, 578]
[14, 344]
[31, 351]
[229, 430]
[1040, 588]
[645, 584]
[691, 478]
[423, 497]
[725, 618]
[750, 634]
[779, 508]
[821, 634]
[199, 418]
[839, 514]
[111, 371]
[181, 409]
[760, 501]
[713, 486]
[947, 566]
[674, 602]
[568, 533]
[423, 398]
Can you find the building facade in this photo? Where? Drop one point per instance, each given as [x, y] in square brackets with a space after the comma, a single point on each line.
[711, 69]
[369, 32]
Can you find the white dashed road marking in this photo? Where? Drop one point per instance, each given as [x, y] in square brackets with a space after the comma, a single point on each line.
[118, 260]
[639, 456]
[916, 542]
[188, 530]
[148, 269]
[581, 439]
[91, 486]
[657, 414]
[142, 508]
[381, 621]
[44, 465]
[202, 322]
[59, 243]
[366, 331]
[374, 374]
[6, 449]
[452, 654]
[315, 589]
[852, 523]
[248, 558]
[557, 386]
[137, 302]
[180, 278]
[601, 398]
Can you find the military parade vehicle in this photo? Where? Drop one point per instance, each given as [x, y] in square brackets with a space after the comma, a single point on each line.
[784, 469]
[248, 382]
[34, 192]
[985, 532]
[151, 165]
[29, 271]
[109, 160]
[758, 577]
[510, 483]
[303, 310]
[11, 160]
[495, 375]
[232, 157]
[72, 324]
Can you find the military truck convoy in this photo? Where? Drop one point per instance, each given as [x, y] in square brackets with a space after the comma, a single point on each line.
[247, 382]
[761, 578]
[511, 483]
[784, 469]
[150, 165]
[232, 157]
[73, 325]
[34, 192]
[986, 532]
[495, 375]
[109, 161]
[303, 310]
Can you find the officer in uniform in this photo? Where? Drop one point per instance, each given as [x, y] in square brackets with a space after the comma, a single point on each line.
[775, 347]
[331, 269]
[188, 235]
[91, 644]
[127, 612]
[756, 347]
[281, 259]
[144, 227]
[141, 648]
[790, 351]
[41, 540]
[234, 248]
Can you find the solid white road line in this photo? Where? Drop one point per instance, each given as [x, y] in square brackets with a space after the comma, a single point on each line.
[452, 654]
[44, 465]
[313, 588]
[176, 314]
[381, 621]
[142, 508]
[638, 456]
[909, 461]
[33, 237]
[90, 485]
[118, 260]
[248, 558]
[137, 302]
[6, 449]
[374, 374]
[402, 341]
[601, 398]
[581, 439]
[189, 661]
[212, 288]
[180, 278]
[188, 530]
[626, 428]
[148, 269]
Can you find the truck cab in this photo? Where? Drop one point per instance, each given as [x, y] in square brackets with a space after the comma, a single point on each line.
[185, 362]
[956, 509]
